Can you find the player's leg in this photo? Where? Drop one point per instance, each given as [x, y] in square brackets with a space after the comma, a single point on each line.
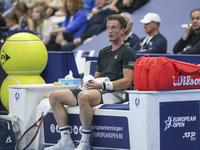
[86, 100]
[57, 100]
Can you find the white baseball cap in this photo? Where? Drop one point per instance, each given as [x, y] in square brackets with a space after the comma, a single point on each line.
[150, 17]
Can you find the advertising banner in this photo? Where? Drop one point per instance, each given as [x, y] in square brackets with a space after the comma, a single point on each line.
[179, 125]
[107, 131]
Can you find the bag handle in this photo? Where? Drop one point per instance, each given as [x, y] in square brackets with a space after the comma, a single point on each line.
[180, 66]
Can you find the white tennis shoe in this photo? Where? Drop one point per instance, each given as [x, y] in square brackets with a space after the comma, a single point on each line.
[83, 146]
[58, 146]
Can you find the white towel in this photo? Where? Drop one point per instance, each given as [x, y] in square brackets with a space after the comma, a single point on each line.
[89, 78]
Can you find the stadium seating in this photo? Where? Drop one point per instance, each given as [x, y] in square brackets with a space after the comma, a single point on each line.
[172, 17]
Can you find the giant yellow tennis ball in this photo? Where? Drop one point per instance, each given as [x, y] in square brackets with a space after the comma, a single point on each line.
[23, 53]
[17, 80]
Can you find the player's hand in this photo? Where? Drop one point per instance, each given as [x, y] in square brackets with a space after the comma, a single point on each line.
[94, 85]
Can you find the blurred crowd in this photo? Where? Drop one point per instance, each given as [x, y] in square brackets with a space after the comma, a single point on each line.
[63, 25]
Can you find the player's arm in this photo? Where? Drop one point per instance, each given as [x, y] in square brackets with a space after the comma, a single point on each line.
[125, 82]
[97, 74]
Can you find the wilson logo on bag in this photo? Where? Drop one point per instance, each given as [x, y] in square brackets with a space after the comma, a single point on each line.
[161, 73]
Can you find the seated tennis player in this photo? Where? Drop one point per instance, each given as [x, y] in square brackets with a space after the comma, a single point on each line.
[115, 62]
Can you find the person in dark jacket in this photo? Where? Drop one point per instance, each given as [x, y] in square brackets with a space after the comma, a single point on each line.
[130, 38]
[154, 42]
[96, 25]
[190, 41]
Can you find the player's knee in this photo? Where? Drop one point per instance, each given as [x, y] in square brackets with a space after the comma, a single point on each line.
[53, 98]
[82, 98]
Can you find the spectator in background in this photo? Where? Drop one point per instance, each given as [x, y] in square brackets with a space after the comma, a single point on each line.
[25, 21]
[190, 41]
[96, 25]
[71, 28]
[2, 21]
[51, 6]
[41, 25]
[12, 21]
[7, 4]
[29, 4]
[154, 42]
[130, 38]
[58, 15]
[42, 2]
[88, 5]
[126, 5]
[121, 5]
[54, 10]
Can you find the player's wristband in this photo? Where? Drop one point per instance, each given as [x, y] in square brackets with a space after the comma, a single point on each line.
[107, 86]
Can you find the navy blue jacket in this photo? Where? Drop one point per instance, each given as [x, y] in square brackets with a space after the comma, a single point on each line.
[132, 40]
[158, 44]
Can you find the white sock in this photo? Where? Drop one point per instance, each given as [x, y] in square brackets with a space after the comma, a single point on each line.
[85, 136]
[65, 135]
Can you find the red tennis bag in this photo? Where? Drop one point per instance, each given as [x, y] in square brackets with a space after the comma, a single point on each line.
[161, 73]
